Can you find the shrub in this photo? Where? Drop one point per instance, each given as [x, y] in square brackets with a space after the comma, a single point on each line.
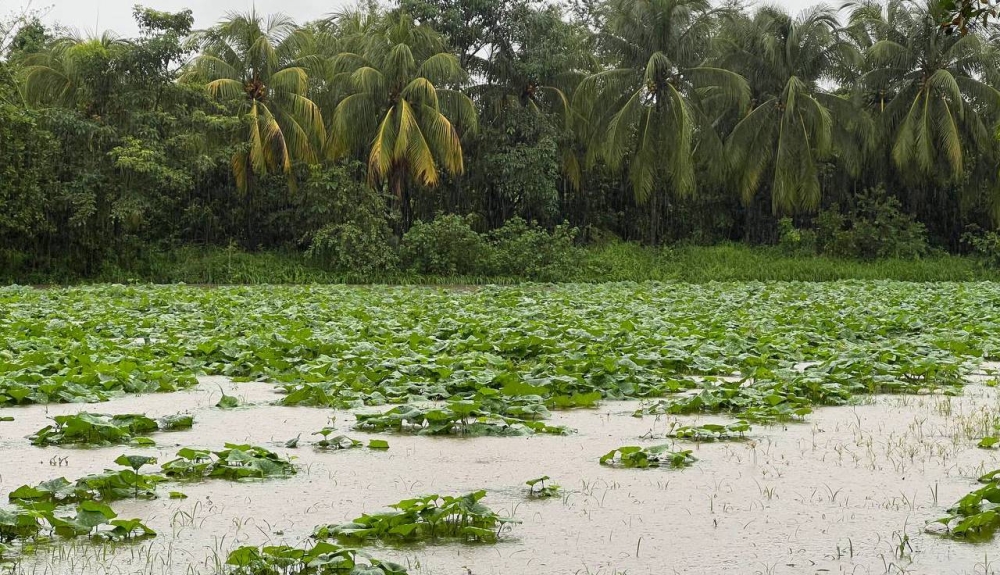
[446, 246]
[795, 241]
[527, 250]
[449, 246]
[985, 245]
[349, 230]
[876, 228]
[352, 247]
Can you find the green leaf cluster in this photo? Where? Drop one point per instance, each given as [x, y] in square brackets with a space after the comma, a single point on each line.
[645, 457]
[428, 518]
[235, 463]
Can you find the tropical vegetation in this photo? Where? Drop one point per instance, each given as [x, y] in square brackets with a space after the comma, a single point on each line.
[345, 140]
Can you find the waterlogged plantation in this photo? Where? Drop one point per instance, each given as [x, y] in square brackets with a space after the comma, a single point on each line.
[843, 428]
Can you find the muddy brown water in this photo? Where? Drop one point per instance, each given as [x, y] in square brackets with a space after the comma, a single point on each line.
[836, 494]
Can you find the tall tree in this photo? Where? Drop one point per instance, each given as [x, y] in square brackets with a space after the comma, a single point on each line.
[791, 127]
[937, 95]
[469, 27]
[537, 65]
[76, 73]
[253, 64]
[644, 111]
[397, 109]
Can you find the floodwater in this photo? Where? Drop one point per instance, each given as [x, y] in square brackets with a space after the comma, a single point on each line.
[838, 494]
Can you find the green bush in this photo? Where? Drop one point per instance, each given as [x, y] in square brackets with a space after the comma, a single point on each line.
[985, 246]
[875, 228]
[446, 246]
[522, 249]
[351, 247]
[449, 246]
[350, 232]
[795, 241]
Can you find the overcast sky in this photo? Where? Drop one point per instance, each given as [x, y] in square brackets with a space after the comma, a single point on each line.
[88, 16]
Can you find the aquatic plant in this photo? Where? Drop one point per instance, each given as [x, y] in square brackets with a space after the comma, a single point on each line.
[428, 518]
[537, 487]
[461, 417]
[710, 431]
[112, 485]
[235, 463]
[515, 351]
[99, 429]
[91, 518]
[643, 457]
[322, 559]
[976, 516]
[336, 442]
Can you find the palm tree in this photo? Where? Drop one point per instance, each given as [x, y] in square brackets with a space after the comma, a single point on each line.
[934, 93]
[645, 112]
[396, 109]
[74, 73]
[794, 123]
[255, 66]
[536, 66]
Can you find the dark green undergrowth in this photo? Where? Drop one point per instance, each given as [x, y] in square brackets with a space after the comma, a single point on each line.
[607, 263]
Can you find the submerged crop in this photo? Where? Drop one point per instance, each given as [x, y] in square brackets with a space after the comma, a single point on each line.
[427, 518]
[643, 457]
[485, 362]
[322, 559]
[235, 462]
[98, 429]
[765, 352]
[977, 515]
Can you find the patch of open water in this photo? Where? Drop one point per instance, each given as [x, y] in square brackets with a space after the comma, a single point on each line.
[833, 495]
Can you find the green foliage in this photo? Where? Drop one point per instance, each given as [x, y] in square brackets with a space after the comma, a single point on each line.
[985, 245]
[517, 155]
[107, 486]
[235, 463]
[428, 518]
[177, 422]
[538, 489]
[351, 233]
[498, 359]
[337, 442]
[645, 457]
[449, 246]
[975, 516]
[92, 519]
[461, 417]
[27, 168]
[874, 228]
[398, 109]
[322, 559]
[710, 431]
[525, 250]
[958, 15]
[227, 401]
[642, 109]
[95, 429]
[446, 246]
[790, 129]
[148, 158]
[795, 241]
[347, 247]
[251, 64]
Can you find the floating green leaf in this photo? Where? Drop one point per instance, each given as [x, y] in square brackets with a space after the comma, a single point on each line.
[643, 457]
[425, 518]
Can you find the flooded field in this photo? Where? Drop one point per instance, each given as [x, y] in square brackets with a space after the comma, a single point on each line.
[864, 424]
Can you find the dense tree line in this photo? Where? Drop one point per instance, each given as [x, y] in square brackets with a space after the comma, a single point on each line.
[646, 120]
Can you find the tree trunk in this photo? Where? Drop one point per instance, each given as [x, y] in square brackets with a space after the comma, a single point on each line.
[402, 192]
